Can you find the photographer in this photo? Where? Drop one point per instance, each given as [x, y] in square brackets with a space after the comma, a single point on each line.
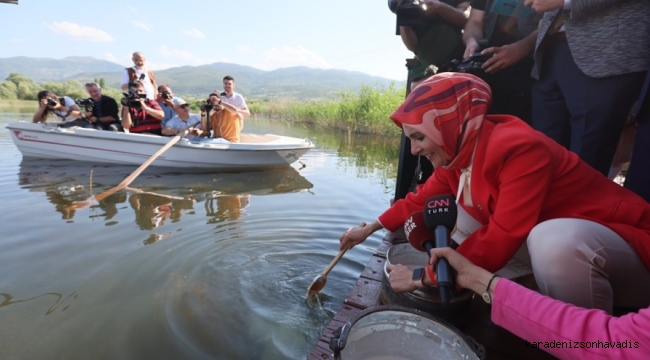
[167, 102]
[139, 114]
[223, 118]
[63, 108]
[511, 41]
[101, 110]
[431, 29]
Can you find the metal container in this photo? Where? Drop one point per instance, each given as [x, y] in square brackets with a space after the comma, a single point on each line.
[396, 333]
[426, 299]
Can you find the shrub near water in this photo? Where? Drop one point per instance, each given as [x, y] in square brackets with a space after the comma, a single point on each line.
[365, 112]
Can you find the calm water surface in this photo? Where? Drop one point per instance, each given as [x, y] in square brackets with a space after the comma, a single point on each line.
[201, 265]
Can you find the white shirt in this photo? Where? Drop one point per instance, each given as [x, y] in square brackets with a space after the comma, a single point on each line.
[148, 84]
[62, 115]
[235, 100]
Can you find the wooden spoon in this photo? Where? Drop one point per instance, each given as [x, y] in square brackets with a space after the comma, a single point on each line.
[319, 281]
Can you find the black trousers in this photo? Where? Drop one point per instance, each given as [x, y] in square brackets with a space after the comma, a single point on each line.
[638, 174]
[584, 114]
[511, 90]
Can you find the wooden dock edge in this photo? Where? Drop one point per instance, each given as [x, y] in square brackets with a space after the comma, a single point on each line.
[364, 294]
[498, 342]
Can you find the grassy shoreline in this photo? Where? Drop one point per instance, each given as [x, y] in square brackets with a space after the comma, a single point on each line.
[365, 112]
[18, 104]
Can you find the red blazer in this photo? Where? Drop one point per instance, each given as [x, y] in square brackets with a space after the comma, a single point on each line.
[521, 178]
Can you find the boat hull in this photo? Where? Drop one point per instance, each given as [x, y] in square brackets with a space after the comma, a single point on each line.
[254, 152]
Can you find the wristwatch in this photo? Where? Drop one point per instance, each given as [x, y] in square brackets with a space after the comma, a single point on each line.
[418, 276]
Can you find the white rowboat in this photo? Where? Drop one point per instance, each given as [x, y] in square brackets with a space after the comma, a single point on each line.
[48, 141]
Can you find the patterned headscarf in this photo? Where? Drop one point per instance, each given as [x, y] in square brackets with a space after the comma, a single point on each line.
[448, 108]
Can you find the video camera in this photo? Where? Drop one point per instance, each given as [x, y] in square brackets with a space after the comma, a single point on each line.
[409, 12]
[132, 99]
[472, 65]
[88, 104]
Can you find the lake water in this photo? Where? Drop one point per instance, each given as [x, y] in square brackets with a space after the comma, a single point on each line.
[201, 265]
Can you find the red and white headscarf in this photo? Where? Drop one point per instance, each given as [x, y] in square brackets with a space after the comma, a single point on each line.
[448, 108]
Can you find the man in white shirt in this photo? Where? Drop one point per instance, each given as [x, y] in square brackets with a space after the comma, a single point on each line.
[234, 98]
[140, 72]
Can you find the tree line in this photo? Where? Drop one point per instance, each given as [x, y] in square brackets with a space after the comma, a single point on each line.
[20, 87]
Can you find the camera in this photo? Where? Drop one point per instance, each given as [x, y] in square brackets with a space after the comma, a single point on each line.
[472, 65]
[52, 103]
[86, 103]
[207, 104]
[409, 12]
[131, 99]
[166, 95]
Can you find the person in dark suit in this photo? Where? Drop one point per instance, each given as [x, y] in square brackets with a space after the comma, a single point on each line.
[590, 61]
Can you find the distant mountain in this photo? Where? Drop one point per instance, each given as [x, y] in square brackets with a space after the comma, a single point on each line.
[298, 82]
[44, 69]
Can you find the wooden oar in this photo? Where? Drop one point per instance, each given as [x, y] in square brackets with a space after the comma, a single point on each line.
[321, 279]
[129, 179]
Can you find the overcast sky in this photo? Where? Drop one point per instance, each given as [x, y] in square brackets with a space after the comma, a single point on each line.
[356, 35]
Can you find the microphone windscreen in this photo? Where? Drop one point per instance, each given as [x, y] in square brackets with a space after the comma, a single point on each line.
[416, 231]
[142, 76]
[440, 210]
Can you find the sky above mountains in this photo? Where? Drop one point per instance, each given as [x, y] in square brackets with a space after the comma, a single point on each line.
[357, 35]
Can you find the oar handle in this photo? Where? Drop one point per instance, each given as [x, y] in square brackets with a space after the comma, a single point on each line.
[129, 179]
[337, 258]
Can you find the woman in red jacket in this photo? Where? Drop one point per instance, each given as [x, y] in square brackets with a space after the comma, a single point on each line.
[586, 239]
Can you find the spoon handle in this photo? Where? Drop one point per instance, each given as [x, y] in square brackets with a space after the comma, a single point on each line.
[337, 258]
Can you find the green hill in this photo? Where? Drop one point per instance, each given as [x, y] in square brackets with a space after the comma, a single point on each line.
[44, 69]
[197, 81]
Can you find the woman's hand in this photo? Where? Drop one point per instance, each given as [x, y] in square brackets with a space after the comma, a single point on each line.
[400, 278]
[354, 236]
[357, 235]
[468, 275]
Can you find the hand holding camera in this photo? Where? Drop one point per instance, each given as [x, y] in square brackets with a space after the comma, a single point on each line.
[474, 64]
[133, 100]
[213, 102]
[503, 56]
[52, 103]
[166, 98]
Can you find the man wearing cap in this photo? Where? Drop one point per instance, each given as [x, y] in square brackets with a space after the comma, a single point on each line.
[183, 121]
[167, 101]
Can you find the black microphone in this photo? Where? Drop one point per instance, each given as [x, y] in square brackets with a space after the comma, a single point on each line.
[142, 76]
[440, 215]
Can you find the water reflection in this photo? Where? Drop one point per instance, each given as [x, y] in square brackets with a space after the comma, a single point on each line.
[155, 197]
[229, 263]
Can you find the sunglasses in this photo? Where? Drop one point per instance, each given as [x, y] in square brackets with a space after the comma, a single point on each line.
[184, 106]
